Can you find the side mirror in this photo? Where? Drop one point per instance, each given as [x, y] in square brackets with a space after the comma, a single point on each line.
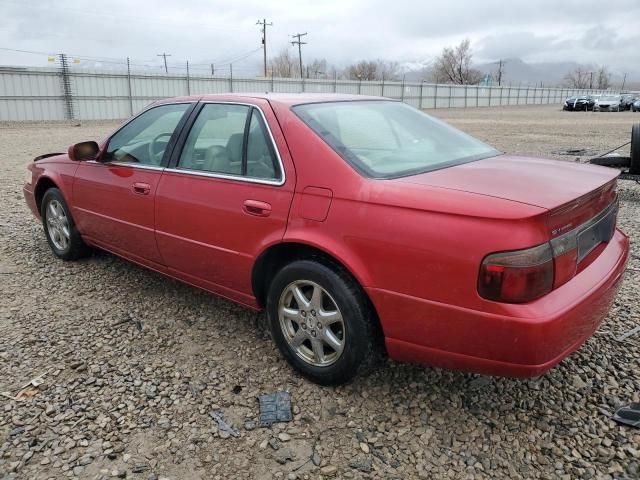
[84, 151]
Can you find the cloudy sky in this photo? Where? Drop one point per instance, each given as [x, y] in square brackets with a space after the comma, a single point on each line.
[342, 31]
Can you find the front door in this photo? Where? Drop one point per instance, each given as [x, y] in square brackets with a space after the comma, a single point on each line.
[114, 198]
[226, 199]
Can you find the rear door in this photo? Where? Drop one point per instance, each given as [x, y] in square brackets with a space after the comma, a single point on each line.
[225, 197]
[114, 198]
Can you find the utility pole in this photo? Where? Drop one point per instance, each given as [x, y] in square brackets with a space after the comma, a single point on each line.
[264, 41]
[164, 56]
[500, 72]
[624, 80]
[213, 70]
[299, 43]
[590, 80]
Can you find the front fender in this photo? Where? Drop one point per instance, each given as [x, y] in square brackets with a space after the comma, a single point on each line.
[58, 174]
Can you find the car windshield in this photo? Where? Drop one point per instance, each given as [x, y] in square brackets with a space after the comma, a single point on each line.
[609, 98]
[388, 139]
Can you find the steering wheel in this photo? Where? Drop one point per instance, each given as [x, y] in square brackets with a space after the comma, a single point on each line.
[156, 157]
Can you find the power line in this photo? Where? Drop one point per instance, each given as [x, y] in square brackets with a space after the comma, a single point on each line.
[164, 56]
[264, 40]
[299, 43]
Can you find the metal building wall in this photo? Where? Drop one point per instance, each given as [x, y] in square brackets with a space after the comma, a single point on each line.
[36, 94]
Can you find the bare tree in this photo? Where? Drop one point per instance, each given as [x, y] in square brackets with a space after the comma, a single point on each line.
[363, 70]
[387, 70]
[318, 67]
[373, 70]
[603, 78]
[579, 77]
[283, 65]
[454, 65]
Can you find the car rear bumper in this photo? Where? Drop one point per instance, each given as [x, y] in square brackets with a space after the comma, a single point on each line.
[30, 199]
[527, 342]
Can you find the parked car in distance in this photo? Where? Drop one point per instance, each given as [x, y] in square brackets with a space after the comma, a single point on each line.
[364, 227]
[581, 103]
[626, 101]
[635, 106]
[608, 103]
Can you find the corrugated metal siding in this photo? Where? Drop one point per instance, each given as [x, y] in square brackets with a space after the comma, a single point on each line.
[36, 94]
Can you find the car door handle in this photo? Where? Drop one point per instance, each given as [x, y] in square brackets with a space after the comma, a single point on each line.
[141, 188]
[257, 208]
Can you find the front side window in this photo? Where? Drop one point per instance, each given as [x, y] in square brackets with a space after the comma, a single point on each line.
[230, 139]
[145, 139]
[387, 139]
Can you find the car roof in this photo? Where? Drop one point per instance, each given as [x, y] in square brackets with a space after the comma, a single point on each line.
[283, 98]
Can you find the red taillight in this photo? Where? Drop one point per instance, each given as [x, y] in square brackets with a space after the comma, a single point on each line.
[565, 255]
[518, 276]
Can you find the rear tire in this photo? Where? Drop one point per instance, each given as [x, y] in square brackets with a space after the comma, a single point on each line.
[59, 228]
[322, 323]
[634, 166]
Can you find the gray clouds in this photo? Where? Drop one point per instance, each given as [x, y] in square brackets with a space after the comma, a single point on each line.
[341, 31]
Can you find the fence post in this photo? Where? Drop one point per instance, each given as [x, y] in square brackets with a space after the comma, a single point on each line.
[534, 95]
[435, 96]
[449, 96]
[421, 85]
[477, 95]
[335, 81]
[402, 93]
[526, 101]
[129, 82]
[490, 88]
[188, 83]
[501, 90]
[382, 92]
[272, 84]
[231, 77]
[465, 96]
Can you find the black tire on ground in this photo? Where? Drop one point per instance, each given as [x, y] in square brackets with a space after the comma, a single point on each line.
[74, 247]
[634, 166]
[361, 337]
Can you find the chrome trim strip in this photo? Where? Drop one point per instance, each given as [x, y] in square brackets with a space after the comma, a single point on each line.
[202, 173]
[128, 164]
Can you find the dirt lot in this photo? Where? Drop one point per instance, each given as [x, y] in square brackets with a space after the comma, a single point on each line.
[135, 362]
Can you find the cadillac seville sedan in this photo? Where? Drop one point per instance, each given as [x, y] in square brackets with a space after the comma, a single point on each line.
[362, 226]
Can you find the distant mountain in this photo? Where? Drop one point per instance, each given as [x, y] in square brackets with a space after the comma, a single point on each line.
[519, 72]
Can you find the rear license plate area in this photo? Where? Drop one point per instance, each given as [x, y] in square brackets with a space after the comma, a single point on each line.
[598, 232]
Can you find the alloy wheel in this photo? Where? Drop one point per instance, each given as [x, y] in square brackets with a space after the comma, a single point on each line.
[58, 225]
[311, 323]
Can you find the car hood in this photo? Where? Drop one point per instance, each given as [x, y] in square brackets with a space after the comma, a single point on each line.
[533, 181]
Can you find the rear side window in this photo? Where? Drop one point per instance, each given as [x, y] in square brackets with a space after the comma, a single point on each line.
[230, 139]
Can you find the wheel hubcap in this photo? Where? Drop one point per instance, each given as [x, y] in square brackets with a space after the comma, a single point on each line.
[311, 323]
[57, 225]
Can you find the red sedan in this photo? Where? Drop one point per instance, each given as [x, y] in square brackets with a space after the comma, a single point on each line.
[361, 225]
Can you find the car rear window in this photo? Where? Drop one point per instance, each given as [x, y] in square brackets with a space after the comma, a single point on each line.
[387, 139]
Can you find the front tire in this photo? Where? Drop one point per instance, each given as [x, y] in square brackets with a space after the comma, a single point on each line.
[322, 323]
[59, 228]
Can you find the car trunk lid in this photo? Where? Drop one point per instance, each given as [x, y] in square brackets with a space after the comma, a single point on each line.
[580, 199]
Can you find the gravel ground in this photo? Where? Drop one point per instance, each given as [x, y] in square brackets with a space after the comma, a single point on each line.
[134, 362]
